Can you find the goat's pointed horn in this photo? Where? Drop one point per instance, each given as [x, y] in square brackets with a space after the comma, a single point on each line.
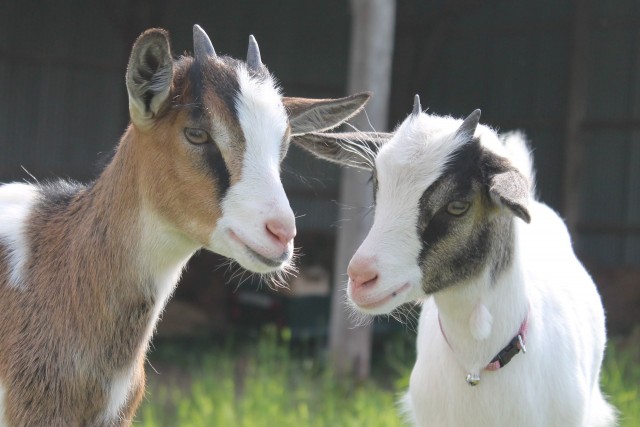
[417, 108]
[202, 47]
[253, 54]
[469, 125]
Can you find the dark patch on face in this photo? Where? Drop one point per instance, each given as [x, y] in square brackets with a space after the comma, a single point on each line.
[465, 166]
[218, 76]
[452, 249]
[218, 167]
[196, 80]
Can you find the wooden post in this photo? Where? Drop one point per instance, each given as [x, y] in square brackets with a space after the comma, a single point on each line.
[372, 35]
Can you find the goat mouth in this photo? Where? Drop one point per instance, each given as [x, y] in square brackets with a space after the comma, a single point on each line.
[269, 262]
[382, 301]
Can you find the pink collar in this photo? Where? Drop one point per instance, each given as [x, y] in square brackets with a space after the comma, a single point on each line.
[505, 355]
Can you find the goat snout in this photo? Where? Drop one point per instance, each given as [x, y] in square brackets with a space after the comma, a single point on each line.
[363, 272]
[281, 230]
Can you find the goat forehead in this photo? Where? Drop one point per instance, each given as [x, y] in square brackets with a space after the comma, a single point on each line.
[261, 115]
[208, 79]
[418, 154]
[242, 108]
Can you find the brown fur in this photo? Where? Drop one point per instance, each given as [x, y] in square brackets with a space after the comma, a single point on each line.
[94, 281]
[55, 364]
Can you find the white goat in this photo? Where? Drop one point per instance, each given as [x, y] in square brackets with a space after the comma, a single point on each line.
[86, 270]
[457, 227]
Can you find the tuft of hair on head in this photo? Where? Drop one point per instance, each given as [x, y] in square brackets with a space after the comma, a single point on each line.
[520, 155]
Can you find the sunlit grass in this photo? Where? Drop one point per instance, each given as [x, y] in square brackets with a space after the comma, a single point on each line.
[261, 384]
[621, 380]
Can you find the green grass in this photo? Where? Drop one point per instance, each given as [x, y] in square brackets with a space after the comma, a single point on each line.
[262, 384]
[620, 379]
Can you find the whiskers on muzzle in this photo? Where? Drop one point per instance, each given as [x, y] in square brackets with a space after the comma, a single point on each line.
[407, 314]
[275, 280]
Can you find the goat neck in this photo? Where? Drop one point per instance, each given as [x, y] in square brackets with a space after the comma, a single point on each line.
[480, 316]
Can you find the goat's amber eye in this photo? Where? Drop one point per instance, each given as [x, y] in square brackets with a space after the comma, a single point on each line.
[458, 207]
[196, 136]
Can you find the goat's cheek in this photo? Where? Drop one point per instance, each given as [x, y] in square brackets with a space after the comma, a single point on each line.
[204, 199]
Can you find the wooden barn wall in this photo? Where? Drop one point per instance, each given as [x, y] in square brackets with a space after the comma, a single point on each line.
[610, 210]
[63, 99]
[513, 59]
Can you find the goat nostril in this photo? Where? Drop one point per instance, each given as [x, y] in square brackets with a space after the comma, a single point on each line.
[363, 279]
[371, 281]
[280, 232]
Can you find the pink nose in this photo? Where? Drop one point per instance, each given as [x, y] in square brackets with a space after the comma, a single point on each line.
[362, 272]
[281, 230]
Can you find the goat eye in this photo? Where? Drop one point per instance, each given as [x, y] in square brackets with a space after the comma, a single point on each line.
[458, 207]
[196, 136]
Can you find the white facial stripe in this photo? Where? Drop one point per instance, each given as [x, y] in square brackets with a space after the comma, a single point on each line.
[258, 196]
[263, 120]
[16, 203]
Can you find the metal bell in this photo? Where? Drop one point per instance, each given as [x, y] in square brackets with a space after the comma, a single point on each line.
[473, 379]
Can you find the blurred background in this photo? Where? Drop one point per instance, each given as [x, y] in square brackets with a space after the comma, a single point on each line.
[565, 72]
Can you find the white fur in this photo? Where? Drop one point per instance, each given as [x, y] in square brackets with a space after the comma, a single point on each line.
[119, 392]
[259, 194]
[480, 322]
[556, 383]
[3, 392]
[407, 165]
[16, 201]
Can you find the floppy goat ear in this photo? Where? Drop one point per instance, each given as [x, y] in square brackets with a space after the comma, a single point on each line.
[320, 115]
[149, 77]
[511, 189]
[356, 149]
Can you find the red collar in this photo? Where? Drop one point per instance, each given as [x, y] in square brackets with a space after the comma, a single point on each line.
[507, 353]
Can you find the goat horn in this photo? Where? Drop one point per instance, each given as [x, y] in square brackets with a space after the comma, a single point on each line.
[417, 108]
[469, 125]
[202, 47]
[253, 54]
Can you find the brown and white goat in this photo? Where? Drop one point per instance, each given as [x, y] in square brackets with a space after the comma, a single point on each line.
[85, 270]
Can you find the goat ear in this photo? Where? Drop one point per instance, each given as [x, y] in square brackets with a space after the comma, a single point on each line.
[511, 189]
[356, 149]
[149, 77]
[320, 115]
